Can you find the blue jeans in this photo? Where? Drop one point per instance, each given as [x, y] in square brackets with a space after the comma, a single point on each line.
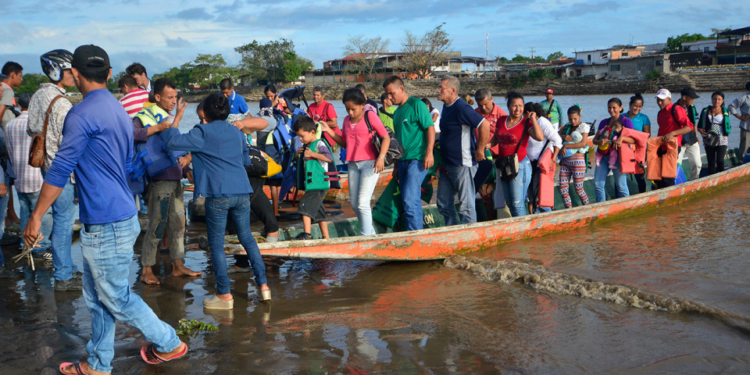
[514, 191]
[27, 202]
[411, 173]
[107, 253]
[217, 211]
[362, 182]
[63, 216]
[457, 179]
[600, 181]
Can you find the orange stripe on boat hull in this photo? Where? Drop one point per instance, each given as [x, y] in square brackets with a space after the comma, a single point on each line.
[439, 243]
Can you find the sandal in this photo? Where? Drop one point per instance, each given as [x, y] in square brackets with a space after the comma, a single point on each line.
[77, 366]
[148, 353]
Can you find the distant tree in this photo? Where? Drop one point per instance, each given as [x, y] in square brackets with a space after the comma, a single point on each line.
[209, 69]
[423, 54]
[182, 76]
[266, 61]
[366, 51]
[555, 56]
[113, 81]
[31, 83]
[716, 32]
[501, 60]
[674, 44]
[294, 66]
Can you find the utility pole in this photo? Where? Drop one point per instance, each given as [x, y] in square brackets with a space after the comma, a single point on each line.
[487, 58]
[532, 53]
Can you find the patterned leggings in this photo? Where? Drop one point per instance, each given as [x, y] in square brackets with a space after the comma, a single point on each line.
[576, 166]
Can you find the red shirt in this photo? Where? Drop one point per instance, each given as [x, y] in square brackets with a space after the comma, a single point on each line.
[494, 115]
[358, 138]
[508, 139]
[324, 112]
[667, 123]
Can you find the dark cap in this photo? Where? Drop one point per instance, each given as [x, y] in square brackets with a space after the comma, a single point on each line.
[688, 91]
[3, 76]
[747, 85]
[90, 59]
[24, 100]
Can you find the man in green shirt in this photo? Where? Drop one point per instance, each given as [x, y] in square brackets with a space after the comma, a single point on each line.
[553, 109]
[386, 111]
[413, 126]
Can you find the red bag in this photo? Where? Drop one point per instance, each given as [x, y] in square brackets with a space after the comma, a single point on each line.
[546, 180]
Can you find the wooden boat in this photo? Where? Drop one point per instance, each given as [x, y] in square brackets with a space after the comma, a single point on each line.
[343, 193]
[440, 242]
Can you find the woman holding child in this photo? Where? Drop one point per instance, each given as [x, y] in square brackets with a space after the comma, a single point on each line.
[608, 141]
[575, 135]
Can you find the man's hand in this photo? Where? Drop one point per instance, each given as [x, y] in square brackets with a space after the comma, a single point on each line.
[31, 233]
[185, 160]
[479, 155]
[429, 161]
[703, 132]
[324, 126]
[181, 105]
[744, 117]
[189, 176]
[3, 190]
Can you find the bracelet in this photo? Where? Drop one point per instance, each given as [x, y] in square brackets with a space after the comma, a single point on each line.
[381, 157]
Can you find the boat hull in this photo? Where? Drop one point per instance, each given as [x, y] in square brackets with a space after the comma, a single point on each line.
[444, 242]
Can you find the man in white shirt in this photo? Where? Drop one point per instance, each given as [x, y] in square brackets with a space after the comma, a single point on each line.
[740, 108]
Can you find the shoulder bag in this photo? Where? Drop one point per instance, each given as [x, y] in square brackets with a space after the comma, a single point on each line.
[395, 150]
[507, 166]
[38, 146]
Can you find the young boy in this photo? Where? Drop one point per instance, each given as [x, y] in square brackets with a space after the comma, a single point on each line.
[312, 164]
[12, 77]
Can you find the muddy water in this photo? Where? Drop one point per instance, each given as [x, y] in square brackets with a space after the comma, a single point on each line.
[348, 317]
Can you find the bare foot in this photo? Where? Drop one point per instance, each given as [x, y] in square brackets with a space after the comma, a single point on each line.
[264, 287]
[148, 277]
[85, 367]
[179, 269]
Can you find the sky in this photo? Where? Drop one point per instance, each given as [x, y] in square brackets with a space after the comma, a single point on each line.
[164, 34]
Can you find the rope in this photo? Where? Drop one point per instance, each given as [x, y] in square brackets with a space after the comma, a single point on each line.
[26, 253]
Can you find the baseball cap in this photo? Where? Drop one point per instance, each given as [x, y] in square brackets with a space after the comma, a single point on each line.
[663, 94]
[90, 59]
[3, 76]
[688, 91]
[549, 91]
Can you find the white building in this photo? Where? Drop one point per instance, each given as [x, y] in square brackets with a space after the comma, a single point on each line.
[595, 57]
[705, 46]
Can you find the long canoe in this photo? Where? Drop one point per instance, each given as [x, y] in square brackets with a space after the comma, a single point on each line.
[444, 242]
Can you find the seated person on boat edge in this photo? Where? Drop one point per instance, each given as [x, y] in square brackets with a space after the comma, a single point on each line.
[312, 176]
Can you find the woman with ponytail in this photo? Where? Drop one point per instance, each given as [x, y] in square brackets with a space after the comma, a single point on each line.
[220, 155]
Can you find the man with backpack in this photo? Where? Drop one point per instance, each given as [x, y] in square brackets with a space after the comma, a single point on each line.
[552, 108]
[47, 112]
[691, 146]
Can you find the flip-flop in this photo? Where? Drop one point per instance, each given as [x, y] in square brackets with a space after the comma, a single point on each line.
[77, 366]
[148, 353]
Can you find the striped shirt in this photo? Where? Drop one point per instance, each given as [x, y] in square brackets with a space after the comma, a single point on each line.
[28, 178]
[133, 101]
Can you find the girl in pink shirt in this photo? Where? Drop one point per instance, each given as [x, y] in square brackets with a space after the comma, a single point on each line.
[365, 162]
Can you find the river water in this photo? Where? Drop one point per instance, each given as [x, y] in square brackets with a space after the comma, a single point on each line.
[423, 317]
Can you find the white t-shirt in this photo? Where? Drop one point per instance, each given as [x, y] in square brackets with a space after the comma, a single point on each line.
[437, 122]
[7, 101]
[534, 149]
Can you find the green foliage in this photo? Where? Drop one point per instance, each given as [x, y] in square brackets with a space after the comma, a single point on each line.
[653, 75]
[294, 66]
[115, 80]
[555, 56]
[30, 83]
[534, 75]
[266, 61]
[519, 59]
[674, 44]
[185, 327]
[501, 60]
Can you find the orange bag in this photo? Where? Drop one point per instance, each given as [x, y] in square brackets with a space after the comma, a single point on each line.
[546, 180]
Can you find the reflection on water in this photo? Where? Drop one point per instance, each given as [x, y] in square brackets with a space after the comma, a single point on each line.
[366, 317]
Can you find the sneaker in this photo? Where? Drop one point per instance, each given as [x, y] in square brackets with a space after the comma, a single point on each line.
[7, 273]
[78, 275]
[68, 285]
[42, 255]
[304, 236]
[217, 304]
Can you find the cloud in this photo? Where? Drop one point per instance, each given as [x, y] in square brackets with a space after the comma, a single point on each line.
[194, 14]
[578, 10]
[15, 33]
[179, 42]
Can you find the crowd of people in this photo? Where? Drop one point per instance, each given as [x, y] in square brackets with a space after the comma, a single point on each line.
[92, 154]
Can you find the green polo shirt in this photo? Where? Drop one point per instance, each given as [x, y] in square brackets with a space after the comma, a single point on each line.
[410, 122]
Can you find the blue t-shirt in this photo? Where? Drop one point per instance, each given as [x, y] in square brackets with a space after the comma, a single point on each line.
[98, 146]
[639, 121]
[457, 140]
[237, 104]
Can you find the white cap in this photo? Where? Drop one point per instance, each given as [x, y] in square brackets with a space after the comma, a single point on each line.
[663, 94]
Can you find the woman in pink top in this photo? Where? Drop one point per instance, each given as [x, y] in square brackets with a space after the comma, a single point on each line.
[365, 163]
